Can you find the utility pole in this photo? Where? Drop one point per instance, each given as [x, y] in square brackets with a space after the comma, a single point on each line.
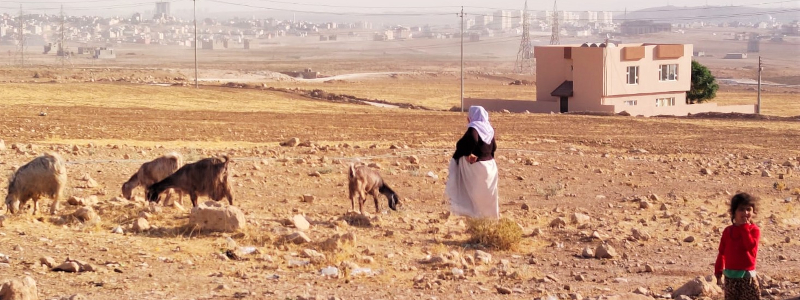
[21, 42]
[63, 52]
[554, 36]
[462, 58]
[760, 68]
[194, 9]
[525, 53]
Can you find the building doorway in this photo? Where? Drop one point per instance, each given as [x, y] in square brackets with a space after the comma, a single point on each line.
[564, 104]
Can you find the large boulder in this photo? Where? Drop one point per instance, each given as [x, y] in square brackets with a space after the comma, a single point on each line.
[14, 289]
[698, 286]
[217, 218]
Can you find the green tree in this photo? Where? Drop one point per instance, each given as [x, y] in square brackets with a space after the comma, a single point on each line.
[704, 85]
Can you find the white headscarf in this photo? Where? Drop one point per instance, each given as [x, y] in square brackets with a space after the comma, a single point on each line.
[479, 119]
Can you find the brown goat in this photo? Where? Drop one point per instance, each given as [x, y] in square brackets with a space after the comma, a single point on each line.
[152, 172]
[363, 180]
[206, 177]
[44, 176]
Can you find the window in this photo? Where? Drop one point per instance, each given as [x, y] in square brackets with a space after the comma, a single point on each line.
[633, 75]
[661, 102]
[631, 102]
[668, 72]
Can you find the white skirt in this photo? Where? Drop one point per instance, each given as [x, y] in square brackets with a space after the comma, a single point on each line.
[472, 189]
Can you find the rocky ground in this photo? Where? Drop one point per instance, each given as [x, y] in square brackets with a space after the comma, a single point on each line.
[608, 206]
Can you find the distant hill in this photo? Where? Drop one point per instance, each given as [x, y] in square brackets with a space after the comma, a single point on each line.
[711, 14]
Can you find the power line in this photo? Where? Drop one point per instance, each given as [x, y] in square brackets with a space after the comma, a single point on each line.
[331, 12]
[667, 9]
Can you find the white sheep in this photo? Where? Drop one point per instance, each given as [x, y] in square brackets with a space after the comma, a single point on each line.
[44, 176]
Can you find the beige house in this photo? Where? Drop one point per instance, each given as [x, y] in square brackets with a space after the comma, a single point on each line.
[640, 79]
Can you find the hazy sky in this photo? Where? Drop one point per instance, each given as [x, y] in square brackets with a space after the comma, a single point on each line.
[125, 7]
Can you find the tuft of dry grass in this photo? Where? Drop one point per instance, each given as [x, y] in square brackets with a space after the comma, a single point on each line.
[503, 234]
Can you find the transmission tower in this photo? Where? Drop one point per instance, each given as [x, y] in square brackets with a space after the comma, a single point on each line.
[19, 55]
[62, 55]
[556, 30]
[525, 55]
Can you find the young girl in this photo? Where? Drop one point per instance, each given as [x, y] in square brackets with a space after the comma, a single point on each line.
[738, 249]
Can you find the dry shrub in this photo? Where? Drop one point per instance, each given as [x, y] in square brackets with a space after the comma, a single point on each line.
[504, 234]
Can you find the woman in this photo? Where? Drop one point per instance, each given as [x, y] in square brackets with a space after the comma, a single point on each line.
[472, 185]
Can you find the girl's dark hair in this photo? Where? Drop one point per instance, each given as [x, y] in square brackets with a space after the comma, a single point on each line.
[742, 199]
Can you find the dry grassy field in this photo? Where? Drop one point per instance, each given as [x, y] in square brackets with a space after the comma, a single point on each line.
[668, 179]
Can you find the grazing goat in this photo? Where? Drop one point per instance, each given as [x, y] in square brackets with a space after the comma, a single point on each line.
[364, 180]
[44, 176]
[152, 172]
[206, 177]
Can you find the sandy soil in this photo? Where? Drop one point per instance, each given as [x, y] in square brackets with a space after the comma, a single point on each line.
[554, 165]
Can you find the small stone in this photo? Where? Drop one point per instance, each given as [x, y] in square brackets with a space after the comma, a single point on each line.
[308, 198]
[482, 257]
[579, 218]
[645, 205]
[641, 290]
[765, 173]
[648, 268]
[297, 238]
[141, 225]
[605, 251]
[69, 267]
[689, 239]
[525, 207]
[558, 222]
[117, 230]
[48, 261]
[588, 252]
[300, 223]
[292, 142]
[503, 290]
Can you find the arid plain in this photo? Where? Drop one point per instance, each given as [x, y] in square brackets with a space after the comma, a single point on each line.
[654, 189]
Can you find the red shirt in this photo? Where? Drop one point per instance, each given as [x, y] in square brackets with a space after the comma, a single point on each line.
[738, 248]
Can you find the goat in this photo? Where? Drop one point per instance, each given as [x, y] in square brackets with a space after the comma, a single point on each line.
[44, 176]
[152, 172]
[362, 181]
[206, 177]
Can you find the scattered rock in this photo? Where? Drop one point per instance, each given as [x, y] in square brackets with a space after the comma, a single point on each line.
[482, 258]
[698, 286]
[605, 251]
[689, 239]
[141, 225]
[579, 218]
[765, 173]
[336, 242]
[648, 268]
[69, 267]
[217, 219]
[314, 256]
[48, 261]
[503, 290]
[85, 214]
[588, 252]
[15, 289]
[300, 223]
[645, 205]
[640, 234]
[292, 142]
[413, 159]
[297, 238]
[558, 222]
[308, 198]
